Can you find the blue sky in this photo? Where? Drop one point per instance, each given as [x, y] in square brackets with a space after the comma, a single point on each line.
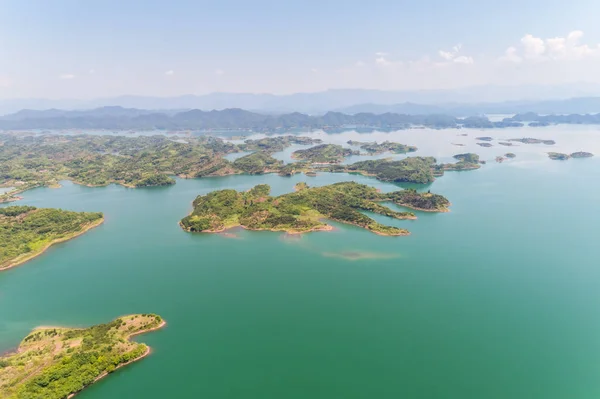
[93, 48]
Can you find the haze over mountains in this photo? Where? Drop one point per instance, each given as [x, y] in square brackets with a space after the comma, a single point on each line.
[467, 101]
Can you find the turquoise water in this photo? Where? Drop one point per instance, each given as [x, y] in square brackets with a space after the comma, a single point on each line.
[497, 299]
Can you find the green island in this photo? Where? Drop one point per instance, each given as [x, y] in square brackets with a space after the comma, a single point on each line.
[467, 157]
[28, 161]
[581, 154]
[558, 156]
[257, 163]
[26, 231]
[374, 148]
[324, 154]
[32, 161]
[57, 362]
[421, 170]
[529, 140]
[276, 144]
[304, 210]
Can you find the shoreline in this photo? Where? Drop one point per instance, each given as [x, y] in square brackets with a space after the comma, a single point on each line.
[146, 353]
[445, 210]
[27, 257]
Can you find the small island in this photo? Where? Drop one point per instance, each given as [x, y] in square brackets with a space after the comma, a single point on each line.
[375, 148]
[510, 155]
[467, 157]
[276, 144]
[581, 154]
[558, 156]
[484, 138]
[506, 143]
[487, 145]
[304, 210]
[26, 231]
[58, 362]
[529, 140]
[324, 154]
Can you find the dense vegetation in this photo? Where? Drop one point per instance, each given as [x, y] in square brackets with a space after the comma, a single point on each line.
[468, 157]
[324, 153]
[546, 120]
[26, 231]
[413, 169]
[275, 144]
[529, 140]
[30, 161]
[53, 362]
[233, 119]
[581, 154]
[303, 210]
[557, 156]
[375, 148]
[257, 163]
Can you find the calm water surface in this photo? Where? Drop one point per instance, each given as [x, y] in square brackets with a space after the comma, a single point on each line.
[497, 299]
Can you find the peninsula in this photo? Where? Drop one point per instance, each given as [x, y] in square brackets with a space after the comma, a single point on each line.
[57, 363]
[26, 231]
[303, 210]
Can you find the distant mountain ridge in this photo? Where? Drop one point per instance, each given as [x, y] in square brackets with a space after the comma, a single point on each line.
[335, 100]
[118, 118]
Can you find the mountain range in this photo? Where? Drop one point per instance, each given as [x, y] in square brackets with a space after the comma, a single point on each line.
[580, 98]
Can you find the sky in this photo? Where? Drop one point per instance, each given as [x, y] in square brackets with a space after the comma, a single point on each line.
[103, 48]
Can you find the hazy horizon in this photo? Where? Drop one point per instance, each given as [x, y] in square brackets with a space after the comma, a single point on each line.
[77, 50]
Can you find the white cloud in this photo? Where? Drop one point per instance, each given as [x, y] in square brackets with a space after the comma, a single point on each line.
[219, 72]
[92, 71]
[170, 72]
[447, 55]
[381, 54]
[453, 55]
[382, 61]
[511, 55]
[567, 48]
[314, 70]
[463, 59]
[359, 64]
[67, 76]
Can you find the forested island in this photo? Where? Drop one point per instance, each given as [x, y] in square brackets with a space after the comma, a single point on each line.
[303, 210]
[420, 170]
[558, 156]
[374, 148]
[536, 120]
[276, 144]
[33, 161]
[26, 231]
[57, 362]
[529, 140]
[324, 153]
[235, 119]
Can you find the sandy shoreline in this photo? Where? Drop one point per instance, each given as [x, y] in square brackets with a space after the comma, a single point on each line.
[146, 353]
[28, 257]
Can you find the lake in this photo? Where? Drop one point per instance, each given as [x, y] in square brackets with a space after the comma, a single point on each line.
[497, 299]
